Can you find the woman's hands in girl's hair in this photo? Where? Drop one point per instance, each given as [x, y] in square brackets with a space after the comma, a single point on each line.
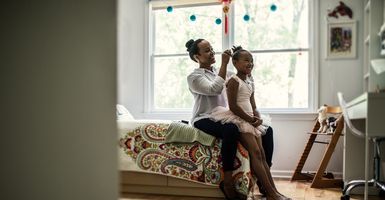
[257, 122]
[225, 60]
[226, 57]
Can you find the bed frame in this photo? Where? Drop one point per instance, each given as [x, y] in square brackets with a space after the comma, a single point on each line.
[148, 183]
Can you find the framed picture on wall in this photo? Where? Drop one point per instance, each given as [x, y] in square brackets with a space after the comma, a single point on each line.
[341, 40]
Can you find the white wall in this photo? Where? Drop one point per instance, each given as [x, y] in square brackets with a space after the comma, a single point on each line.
[58, 95]
[343, 75]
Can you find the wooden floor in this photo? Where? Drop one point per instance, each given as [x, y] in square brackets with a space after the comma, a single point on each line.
[295, 190]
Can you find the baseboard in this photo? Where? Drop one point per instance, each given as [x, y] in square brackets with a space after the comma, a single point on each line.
[286, 174]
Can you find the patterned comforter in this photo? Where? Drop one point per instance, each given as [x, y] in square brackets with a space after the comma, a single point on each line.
[190, 161]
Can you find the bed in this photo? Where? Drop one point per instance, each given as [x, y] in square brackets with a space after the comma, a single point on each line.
[148, 164]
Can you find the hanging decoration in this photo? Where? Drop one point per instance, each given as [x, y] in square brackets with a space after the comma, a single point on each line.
[218, 21]
[273, 7]
[226, 8]
[193, 18]
[169, 8]
[246, 17]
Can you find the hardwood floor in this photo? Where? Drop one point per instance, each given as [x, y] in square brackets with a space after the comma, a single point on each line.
[295, 190]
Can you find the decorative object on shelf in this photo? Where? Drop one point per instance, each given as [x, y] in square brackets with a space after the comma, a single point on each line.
[341, 39]
[322, 117]
[378, 65]
[341, 9]
[331, 124]
[381, 34]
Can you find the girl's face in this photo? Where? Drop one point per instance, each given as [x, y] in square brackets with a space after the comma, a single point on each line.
[205, 56]
[244, 64]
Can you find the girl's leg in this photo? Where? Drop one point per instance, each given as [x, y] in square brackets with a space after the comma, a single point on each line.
[259, 141]
[268, 148]
[258, 165]
[267, 168]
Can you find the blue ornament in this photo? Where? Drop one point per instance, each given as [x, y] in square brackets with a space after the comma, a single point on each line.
[218, 21]
[246, 17]
[193, 18]
[273, 7]
[169, 8]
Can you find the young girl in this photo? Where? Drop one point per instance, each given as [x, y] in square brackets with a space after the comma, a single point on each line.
[243, 113]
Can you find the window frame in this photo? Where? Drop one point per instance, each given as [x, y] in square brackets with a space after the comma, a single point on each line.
[227, 41]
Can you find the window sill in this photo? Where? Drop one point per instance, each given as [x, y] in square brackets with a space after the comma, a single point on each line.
[276, 116]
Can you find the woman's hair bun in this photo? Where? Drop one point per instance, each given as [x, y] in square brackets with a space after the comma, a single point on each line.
[236, 48]
[189, 44]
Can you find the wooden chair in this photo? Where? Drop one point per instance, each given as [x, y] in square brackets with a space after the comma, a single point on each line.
[320, 179]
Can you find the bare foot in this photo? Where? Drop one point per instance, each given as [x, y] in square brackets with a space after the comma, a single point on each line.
[284, 197]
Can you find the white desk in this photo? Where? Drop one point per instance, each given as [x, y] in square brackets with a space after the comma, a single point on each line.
[368, 113]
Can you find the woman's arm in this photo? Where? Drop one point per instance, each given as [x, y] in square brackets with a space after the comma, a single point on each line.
[225, 60]
[199, 84]
[232, 92]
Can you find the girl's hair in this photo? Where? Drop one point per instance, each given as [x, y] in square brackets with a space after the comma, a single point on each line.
[236, 51]
[192, 48]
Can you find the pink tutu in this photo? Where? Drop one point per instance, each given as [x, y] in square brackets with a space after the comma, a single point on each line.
[224, 115]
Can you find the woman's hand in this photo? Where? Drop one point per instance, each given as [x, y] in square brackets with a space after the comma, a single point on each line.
[226, 57]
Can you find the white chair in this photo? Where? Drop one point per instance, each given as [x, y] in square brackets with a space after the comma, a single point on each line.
[375, 181]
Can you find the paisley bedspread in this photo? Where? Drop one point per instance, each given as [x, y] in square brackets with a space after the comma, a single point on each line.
[191, 161]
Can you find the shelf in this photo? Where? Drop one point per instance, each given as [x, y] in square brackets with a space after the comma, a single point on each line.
[367, 7]
[367, 40]
[382, 29]
[378, 65]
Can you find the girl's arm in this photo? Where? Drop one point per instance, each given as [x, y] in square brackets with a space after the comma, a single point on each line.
[232, 93]
[256, 113]
[255, 110]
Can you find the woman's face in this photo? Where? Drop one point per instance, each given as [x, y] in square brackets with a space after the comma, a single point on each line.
[205, 56]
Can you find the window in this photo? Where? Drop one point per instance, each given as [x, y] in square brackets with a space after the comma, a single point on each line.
[278, 40]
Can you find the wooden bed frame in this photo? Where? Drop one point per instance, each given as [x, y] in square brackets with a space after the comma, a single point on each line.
[148, 183]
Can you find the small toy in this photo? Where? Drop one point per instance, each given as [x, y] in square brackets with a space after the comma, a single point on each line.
[331, 124]
[322, 119]
[341, 9]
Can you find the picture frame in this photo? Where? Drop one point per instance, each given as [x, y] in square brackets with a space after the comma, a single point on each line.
[341, 40]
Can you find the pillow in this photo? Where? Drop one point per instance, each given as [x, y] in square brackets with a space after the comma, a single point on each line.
[123, 113]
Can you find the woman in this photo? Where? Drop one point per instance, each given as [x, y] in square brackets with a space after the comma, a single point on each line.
[206, 84]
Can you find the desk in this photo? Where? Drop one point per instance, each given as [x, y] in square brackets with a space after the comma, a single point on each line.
[369, 106]
[367, 112]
